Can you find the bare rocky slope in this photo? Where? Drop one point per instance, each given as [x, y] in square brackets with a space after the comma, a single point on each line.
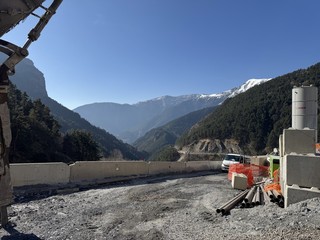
[181, 207]
[214, 146]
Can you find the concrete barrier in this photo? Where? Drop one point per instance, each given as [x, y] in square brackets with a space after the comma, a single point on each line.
[198, 166]
[90, 171]
[97, 170]
[166, 167]
[215, 165]
[39, 173]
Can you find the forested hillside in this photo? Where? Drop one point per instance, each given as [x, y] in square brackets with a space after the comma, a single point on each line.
[158, 138]
[36, 135]
[109, 144]
[257, 117]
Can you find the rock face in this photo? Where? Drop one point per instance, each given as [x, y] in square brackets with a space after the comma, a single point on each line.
[28, 78]
[214, 146]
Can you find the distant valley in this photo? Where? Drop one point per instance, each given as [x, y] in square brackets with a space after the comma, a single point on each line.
[130, 122]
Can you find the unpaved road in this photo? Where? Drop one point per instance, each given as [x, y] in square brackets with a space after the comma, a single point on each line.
[159, 208]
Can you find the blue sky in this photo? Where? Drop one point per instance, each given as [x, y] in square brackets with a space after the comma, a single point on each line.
[126, 51]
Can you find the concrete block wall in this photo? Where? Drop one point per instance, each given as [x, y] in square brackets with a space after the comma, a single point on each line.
[91, 171]
[299, 141]
[39, 173]
[293, 194]
[299, 166]
[281, 154]
[281, 151]
[301, 170]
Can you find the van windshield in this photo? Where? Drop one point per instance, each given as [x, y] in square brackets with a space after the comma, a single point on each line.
[232, 158]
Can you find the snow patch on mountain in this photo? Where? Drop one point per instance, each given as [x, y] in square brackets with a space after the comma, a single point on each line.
[215, 95]
[247, 85]
[235, 91]
[167, 101]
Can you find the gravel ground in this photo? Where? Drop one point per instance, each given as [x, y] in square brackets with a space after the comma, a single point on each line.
[181, 207]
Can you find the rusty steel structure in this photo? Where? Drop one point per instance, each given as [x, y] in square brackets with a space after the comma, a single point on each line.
[12, 12]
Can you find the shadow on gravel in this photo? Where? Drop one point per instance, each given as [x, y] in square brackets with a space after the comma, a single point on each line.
[163, 178]
[16, 235]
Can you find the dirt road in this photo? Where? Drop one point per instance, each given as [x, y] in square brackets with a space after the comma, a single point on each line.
[159, 208]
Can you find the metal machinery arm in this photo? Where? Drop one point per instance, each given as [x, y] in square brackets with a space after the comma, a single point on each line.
[22, 9]
[13, 12]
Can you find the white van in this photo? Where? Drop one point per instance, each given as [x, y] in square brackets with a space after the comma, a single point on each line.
[232, 158]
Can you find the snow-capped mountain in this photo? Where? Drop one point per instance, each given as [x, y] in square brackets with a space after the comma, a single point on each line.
[235, 91]
[247, 85]
[168, 101]
[129, 122]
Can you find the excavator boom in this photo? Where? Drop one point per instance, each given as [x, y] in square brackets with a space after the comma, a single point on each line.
[14, 11]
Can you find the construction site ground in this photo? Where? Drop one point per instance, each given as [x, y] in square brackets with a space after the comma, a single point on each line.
[164, 207]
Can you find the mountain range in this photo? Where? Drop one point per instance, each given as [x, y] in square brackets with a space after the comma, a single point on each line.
[131, 122]
[245, 118]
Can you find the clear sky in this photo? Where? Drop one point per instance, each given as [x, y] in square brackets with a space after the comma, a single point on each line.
[126, 51]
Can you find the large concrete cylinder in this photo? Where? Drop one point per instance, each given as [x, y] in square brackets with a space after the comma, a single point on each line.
[305, 107]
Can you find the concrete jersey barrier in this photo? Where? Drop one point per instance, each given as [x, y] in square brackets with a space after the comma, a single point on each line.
[166, 167]
[39, 173]
[96, 170]
[91, 171]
